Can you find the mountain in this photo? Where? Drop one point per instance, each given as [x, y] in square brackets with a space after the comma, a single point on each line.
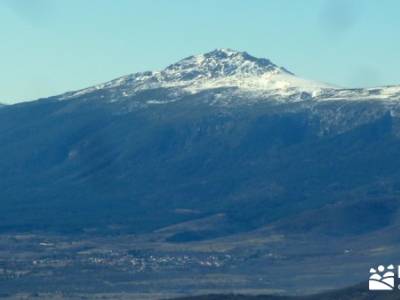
[222, 132]
[220, 153]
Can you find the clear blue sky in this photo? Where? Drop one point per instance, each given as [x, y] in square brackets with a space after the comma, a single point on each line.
[49, 47]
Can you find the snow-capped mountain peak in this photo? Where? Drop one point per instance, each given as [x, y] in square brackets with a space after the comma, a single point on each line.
[218, 64]
[220, 68]
[237, 73]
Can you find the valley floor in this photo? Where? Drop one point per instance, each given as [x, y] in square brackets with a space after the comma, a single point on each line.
[148, 267]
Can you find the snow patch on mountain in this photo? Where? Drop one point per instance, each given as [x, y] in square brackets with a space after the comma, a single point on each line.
[389, 93]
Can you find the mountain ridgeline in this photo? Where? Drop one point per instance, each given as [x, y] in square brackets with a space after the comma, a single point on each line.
[222, 133]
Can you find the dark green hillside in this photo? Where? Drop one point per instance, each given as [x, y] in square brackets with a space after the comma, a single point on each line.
[70, 165]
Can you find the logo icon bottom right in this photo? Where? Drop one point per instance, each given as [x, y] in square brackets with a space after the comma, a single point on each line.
[381, 279]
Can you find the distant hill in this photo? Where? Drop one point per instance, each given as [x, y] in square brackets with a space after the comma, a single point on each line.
[359, 292]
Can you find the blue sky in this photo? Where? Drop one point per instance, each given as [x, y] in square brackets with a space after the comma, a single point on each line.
[49, 47]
